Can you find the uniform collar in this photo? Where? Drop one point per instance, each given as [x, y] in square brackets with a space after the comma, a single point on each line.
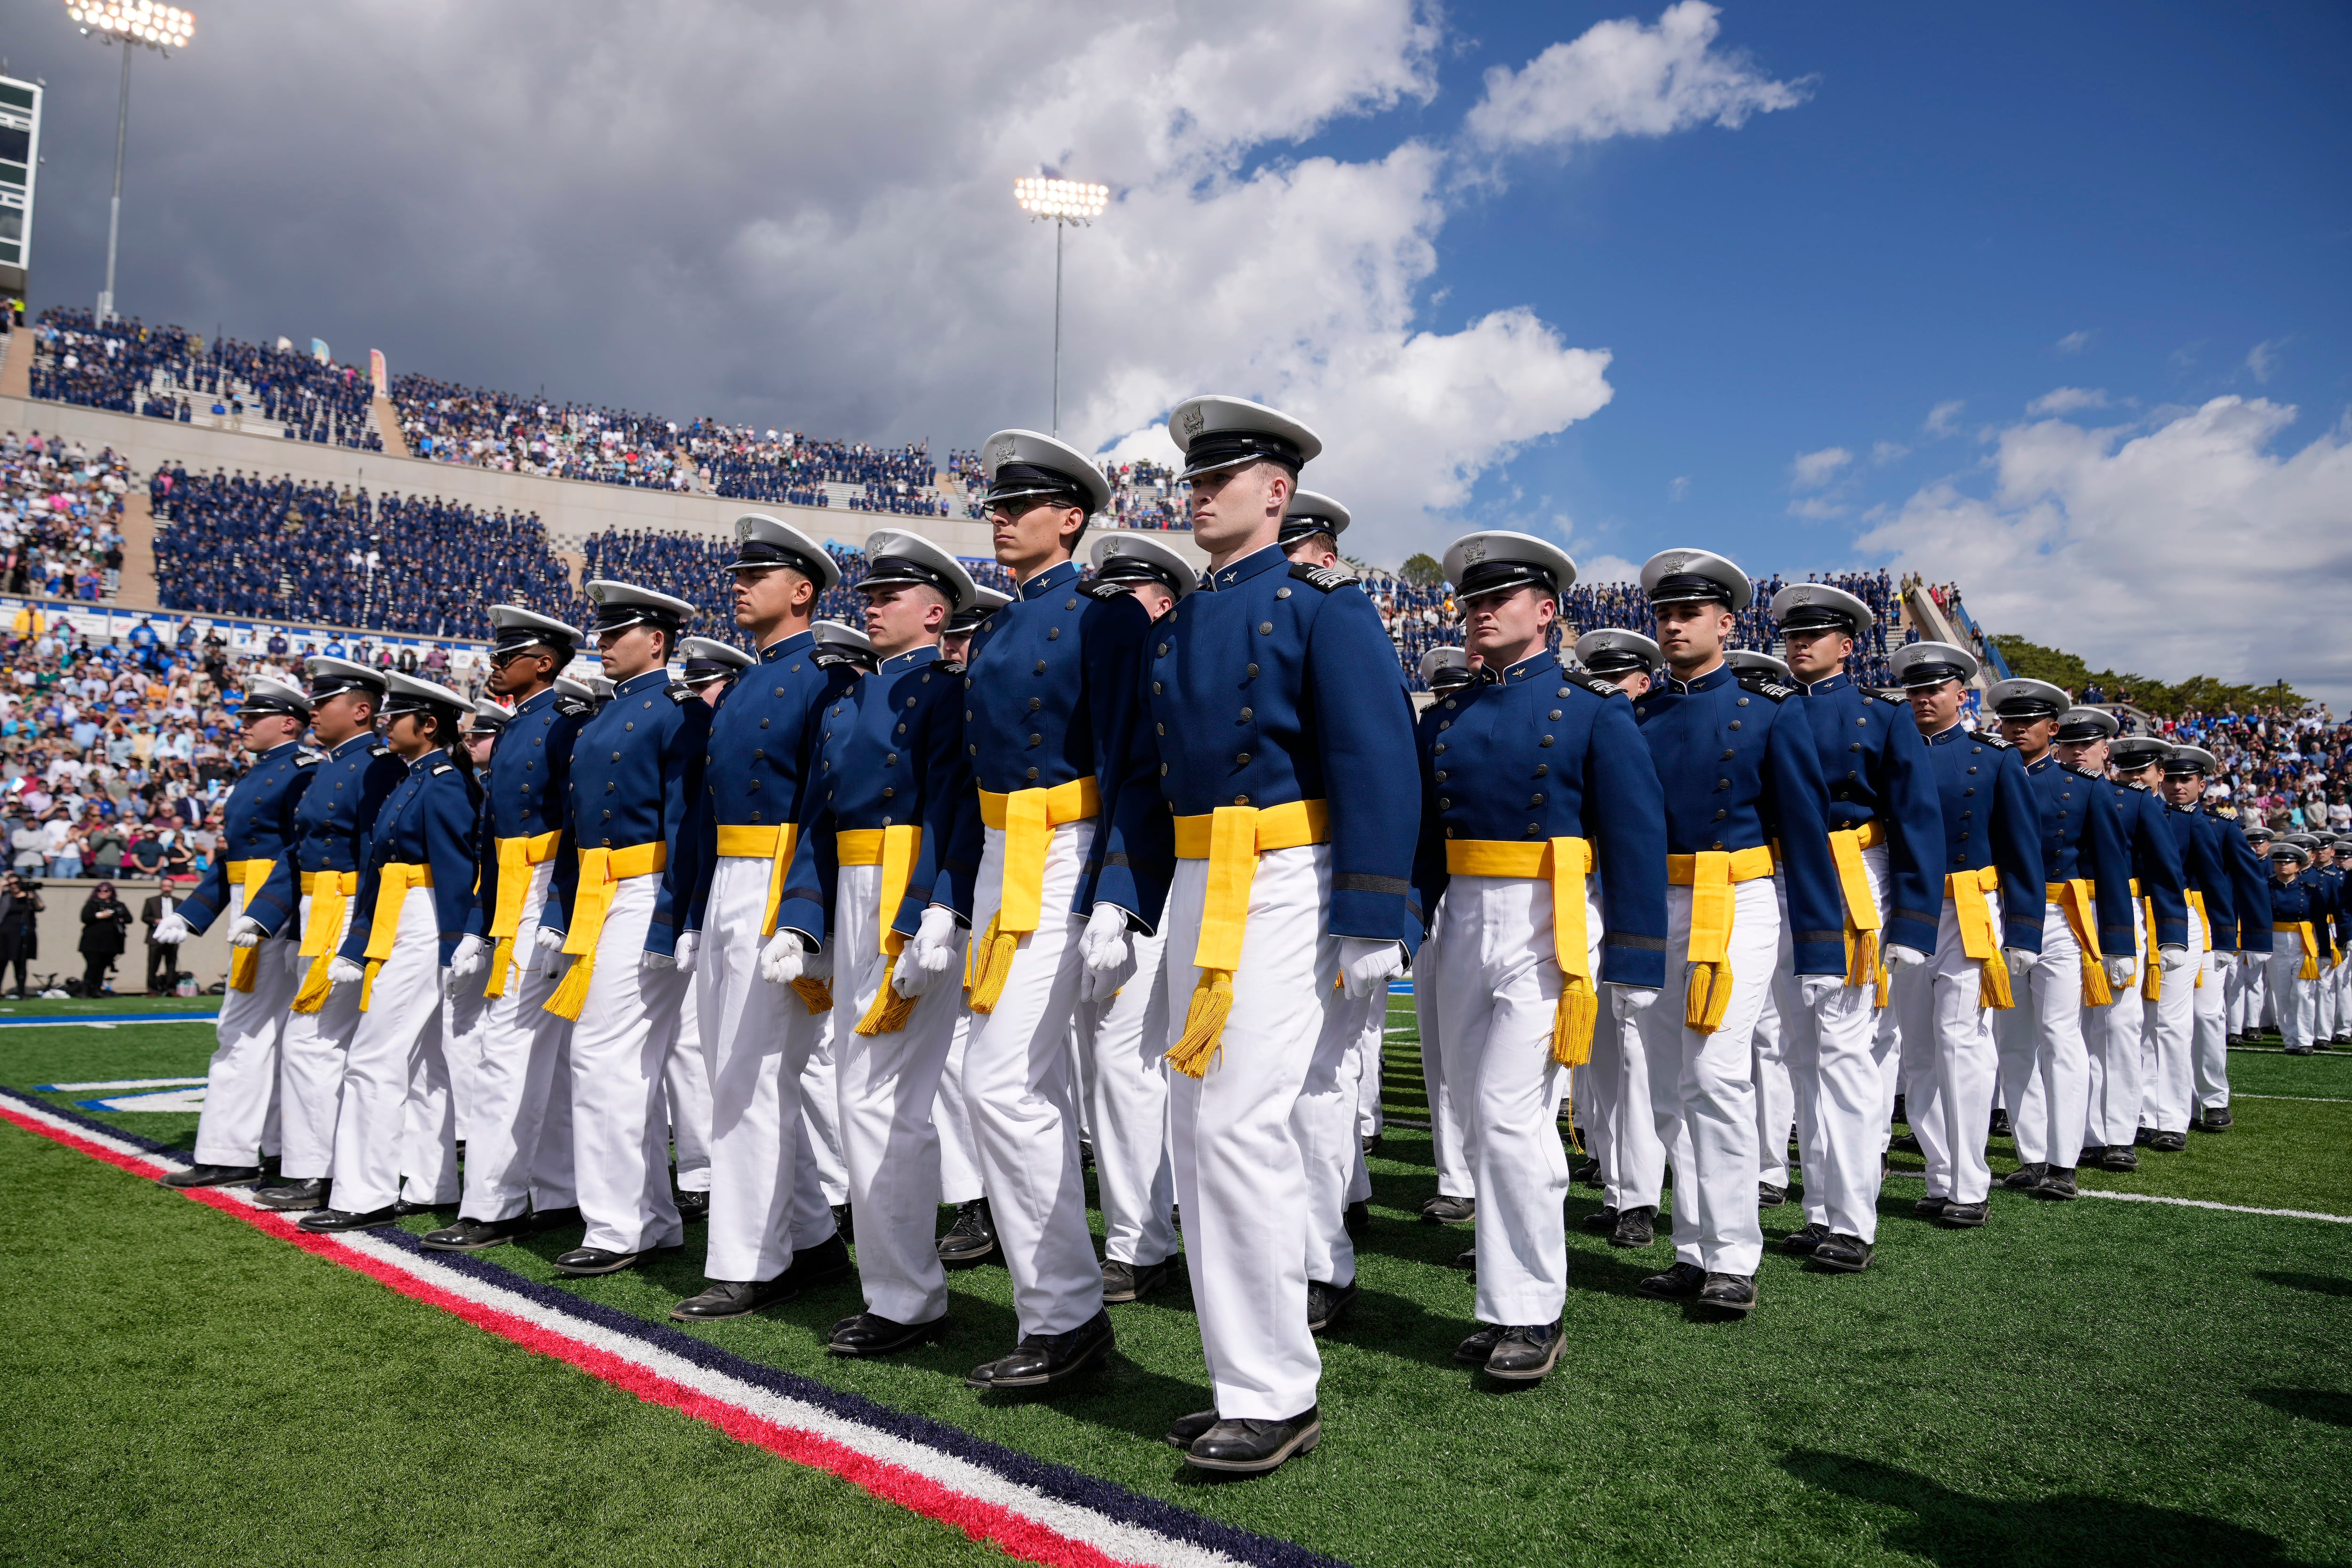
[913, 658]
[1837, 682]
[423, 760]
[274, 751]
[1257, 562]
[1722, 674]
[1051, 578]
[2042, 762]
[535, 701]
[1949, 733]
[1529, 669]
[793, 644]
[364, 738]
[646, 682]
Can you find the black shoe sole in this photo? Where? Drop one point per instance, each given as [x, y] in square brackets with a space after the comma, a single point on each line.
[298, 1206]
[677, 1317]
[1729, 1309]
[1629, 1245]
[627, 1260]
[922, 1333]
[2055, 1196]
[1681, 1299]
[465, 1246]
[347, 1230]
[1304, 1443]
[1529, 1374]
[966, 1259]
[1086, 1363]
[1836, 1267]
[219, 1182]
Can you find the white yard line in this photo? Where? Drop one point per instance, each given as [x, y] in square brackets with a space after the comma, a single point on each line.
[2305, 1098]
[100, 1085]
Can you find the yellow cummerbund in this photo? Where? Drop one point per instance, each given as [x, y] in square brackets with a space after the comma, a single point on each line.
[1747, 864]
[2134, 885]
[244, 963]
[601, 869]
[1073, 802]
[752, 843]
[858, 846]
[1498, 857]
[1285, 826]
[1867, 835]
[345, 882]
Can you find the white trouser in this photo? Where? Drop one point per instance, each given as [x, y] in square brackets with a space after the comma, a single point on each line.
[959, 1177]
[519, 1137]
[620, 1049]
[686, 1093]
[1501, 988]
[1371, 1047]
[2293, 1002]
[2328, 995]
[2115, 1050]
[1767, 1070]
[1333, 1152]
[1633, 1097]
[888, 1085]
[821, 1104]
[1836, 1056]
[1702, 1089]
[398, 1036]
[1126, 1037]
[2269, 1015]
[440, 1115]
[1020, 1085]
[1886, 1049]
[2045, 1075]
[463, 1046]
[765, 1203]
[241, 1083]
[2209, 1053]
[311, 1082]
[2245, 976]
[1951, 1059]
[1449, 1132]
[1239, 1145]
[2169, 1028]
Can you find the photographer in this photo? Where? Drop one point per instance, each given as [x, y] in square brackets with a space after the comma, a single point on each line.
[20, 914]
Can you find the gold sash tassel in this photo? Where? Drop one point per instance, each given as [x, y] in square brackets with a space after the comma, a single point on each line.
[330, 893]
[1711, 876]
[1230, 839]
[1864, 960]
[895, 850]
[601, 871]
[1979, 940]
[516, 858]
[816, 996]
[2079, 899]
[1027, 818]
[244, 963]
[2303, 931]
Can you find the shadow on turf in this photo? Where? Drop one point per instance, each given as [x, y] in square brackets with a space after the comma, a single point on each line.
[2318, 1284]
[1957, 1530]
[2320, 1405]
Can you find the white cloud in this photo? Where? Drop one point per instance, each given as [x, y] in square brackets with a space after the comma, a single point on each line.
[1885, 452]
[1818, 508]
[1943, 420]
[2262, 359]
[2192, 547]
[1812, 470]
[2067, 400]
[1621, 78]
[2073, 342]
[1678, 487]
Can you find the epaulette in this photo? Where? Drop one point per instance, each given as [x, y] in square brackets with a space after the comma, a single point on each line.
[2133, 783]
[1891, 699]
[1763, 685]
[2084, 773]
[680, 692]
[308, 758]
[827, 660]
[440, 768]
[2229, 813]
[379, 751]
[1594, 684]
[574, 708]
[1095, 588]
[952, 667]
[1323, 577]
[1988, 738]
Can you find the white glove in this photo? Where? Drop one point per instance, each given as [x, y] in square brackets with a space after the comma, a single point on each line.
[472, 956]
[1812, 990]
[2018, 961]
[1367, 965]
[931, 954]
[817, 965]
[1109, 952]
[246, 932]
[341, 970]
[1900, 958]
[681, 957]
[550, 938]
[170, 930]
[2118, 969]
[784, 959]
[2175, 958]
[1634, 999]
[655, 961]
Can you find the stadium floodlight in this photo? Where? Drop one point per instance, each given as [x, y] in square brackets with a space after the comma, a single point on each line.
[162, 28]
[1066, 202]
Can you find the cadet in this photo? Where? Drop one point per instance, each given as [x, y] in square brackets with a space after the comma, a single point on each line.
[1886, 826]
[2326, 1023]
[889, 845]
[1626, 660]
[845, 651]
[1543, 867]
[252, 879]
[1446, 671]
[2192, 1091]
[955, 643]
[1989, 927]
[708, 668]
[2298, 911]
[841, 645]
[518, 1142]
[771, 1233]
[1279, 711]
[2250, 882]
[1739, 769]
[2160, 909]
[623, 875]
[395, 957]
[2045, 1070]
[1121, 1030]
[2112, 1030]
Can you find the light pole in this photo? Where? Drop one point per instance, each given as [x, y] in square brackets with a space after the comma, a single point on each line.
[127, 22]
[1066, 202]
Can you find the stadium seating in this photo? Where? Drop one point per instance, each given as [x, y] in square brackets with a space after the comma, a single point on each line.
[60, 518]
[168, 373]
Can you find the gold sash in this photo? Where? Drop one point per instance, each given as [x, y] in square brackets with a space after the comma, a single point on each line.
[244, 963]
[1710, 875]
[601, 871]
[1027, 818]
[895, 850]
[1230, 839]
[516, 858]
[1564, 863]
[393, 883]
[1978, 937]
[331, 892]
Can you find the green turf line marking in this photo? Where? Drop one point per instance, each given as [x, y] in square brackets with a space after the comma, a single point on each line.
[2226, 1208]
[2304, 1099]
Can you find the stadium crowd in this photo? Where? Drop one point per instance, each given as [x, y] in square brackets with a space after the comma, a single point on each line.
[166, 372]
[450, 423]
[60, 517]
[2292, 768]
[689, 567]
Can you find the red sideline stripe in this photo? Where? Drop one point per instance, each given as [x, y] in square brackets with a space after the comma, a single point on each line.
[1013, 1533]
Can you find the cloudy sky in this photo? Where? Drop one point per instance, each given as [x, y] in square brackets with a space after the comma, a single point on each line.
[2049, 301]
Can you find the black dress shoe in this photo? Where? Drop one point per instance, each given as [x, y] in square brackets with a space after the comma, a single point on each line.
[1041, 1359]
[1846, 1254]
[1325, 1303]
[326, 1221]
[1474, 1350]
[2217, 1117]
[1187, 1431]
[475, 1234]
[1963, 1216]
[556, 1220]
[972, 1237]
[2025, 1178]
[1526, 1352]
[582, 1262]
[293, 1197]
[824, 1264]
[213, 1176]
[1683, 1282]
[2091, 1155]
[692, 1205]
[1729, 1293]
[2058, 1184]
[1804, 1241]
[1601, 1221]
[1904, 1144]
[2001, 1126]
[2140, 1139]
[403, 1209]
[1372, 1141]
[1358, 1219]
[870, 1333]
[2296, 1050]
[1125, 1282]
[1586, 1174]
[1902, 1112]
[2122, 1158]
[1636, 1226]
[841, 1222]
[2168, 1142]
[1930, 1207]
[1768, 1196]
[732, 1298]
[1466, 1260]
[1254, 1448]
[1445, 1210]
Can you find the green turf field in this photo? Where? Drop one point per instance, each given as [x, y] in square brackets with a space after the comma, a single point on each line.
[2079, 1385]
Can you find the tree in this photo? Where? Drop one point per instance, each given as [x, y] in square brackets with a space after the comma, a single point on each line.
[1421, 570]
[2200, 692]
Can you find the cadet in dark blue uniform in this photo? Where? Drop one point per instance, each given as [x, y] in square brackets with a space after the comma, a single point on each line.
[2045, 1070]
[1740, 769]
[1446, 671]
[2250, 881]
[415, 897]
[622, 877]
[1886, 836]
[518, 1138]
[888, 847]
[252, 875]
[2327, 1024]
[1988, 928]
[2198, 1085]
[1279, 714]
[1542, 861]
[2160, 1003]
[2298, 910]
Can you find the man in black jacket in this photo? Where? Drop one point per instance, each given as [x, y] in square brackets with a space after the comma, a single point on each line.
[163, 958]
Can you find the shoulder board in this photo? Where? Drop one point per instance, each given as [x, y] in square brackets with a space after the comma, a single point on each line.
[306, 758]
[1988, 738]
[379, 750]
[1323, 577]
[952, 667]
[1095, 588]
[832, 661]
[440, 768]
[2080, 772]
[1891, 699]
[2134, 785]
[1763, 685]
[572, 708]
[679, 692]
[2230, 812]
[1594, 684]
